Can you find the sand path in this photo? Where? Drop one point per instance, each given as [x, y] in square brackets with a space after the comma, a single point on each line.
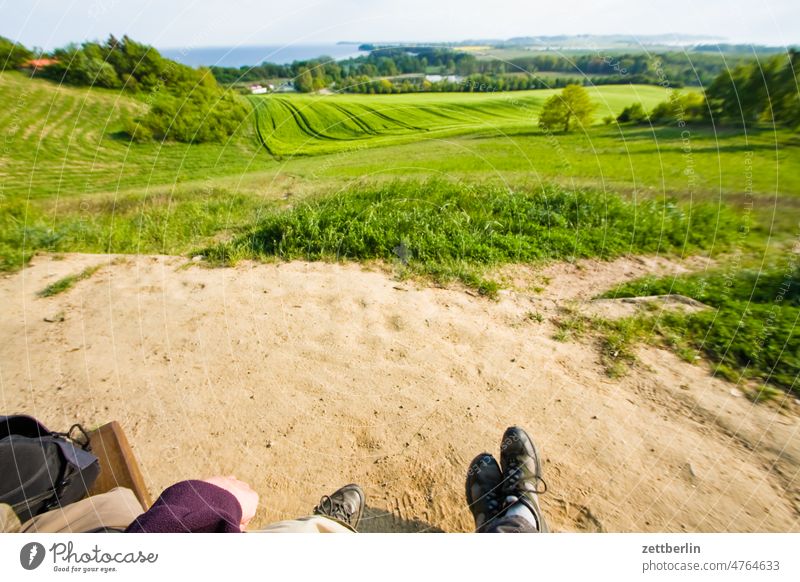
[301, 377]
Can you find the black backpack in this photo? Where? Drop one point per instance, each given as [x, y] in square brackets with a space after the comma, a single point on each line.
[40, 469]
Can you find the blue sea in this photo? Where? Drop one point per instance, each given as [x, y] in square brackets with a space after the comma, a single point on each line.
[255, 55]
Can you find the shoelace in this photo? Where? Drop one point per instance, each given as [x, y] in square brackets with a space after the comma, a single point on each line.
[335, 509]
[515, 474]
[492, 499]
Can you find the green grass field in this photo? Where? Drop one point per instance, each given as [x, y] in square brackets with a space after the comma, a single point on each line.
[70, 182]
[715, 162]
[311, 125]
[64, 143]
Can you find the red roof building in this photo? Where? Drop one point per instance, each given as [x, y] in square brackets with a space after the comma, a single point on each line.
[39, 63]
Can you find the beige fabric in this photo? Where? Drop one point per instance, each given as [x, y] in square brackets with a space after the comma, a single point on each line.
[115, 509]
[311, 524]
[9, 522]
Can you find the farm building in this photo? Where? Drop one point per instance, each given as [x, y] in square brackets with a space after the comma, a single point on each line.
[440, 78]
[39, 63]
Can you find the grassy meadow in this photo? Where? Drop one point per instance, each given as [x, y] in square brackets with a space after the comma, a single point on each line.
[444, 185]
[319, 124]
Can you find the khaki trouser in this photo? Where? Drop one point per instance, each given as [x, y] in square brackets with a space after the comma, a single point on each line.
[115, 509]
[311, 524]
[119, 507]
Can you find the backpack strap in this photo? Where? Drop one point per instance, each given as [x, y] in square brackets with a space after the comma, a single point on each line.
[22, 425]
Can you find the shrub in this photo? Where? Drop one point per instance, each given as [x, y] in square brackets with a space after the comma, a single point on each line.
[679, 107]
[186, 105]
[12, 54]
[633, 113]
[452, 230]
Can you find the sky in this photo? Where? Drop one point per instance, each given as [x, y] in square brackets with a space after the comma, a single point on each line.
[199, 23]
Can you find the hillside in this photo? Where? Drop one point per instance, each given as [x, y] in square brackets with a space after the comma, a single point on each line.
[64, 141]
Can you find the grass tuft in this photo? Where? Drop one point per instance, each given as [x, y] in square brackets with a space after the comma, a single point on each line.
[68, 282]
[752, 332]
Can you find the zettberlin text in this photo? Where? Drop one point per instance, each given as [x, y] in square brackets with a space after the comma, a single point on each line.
[671, 549]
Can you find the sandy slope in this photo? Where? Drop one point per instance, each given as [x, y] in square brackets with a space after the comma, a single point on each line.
[301, 377]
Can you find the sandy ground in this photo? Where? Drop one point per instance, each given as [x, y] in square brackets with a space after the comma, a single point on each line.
[300, 377]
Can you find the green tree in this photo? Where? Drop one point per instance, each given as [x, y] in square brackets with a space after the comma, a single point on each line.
[572, 104]
[784, 95]
[679, 107]
[763, 91]
[304, 82]
[633, 113]
[13, 54]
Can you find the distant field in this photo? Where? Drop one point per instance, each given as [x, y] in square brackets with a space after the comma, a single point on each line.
[552, 75]
[308, 125]
[505, 54]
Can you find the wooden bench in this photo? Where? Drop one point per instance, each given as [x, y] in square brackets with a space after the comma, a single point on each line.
[118, 466]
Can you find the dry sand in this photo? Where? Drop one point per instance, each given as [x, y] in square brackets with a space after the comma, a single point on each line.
[301, 377]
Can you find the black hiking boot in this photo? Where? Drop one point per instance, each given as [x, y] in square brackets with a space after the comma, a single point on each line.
[484, 490]
[522, 473]
[345, 505]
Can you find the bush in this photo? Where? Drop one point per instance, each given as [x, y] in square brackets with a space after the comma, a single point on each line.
[187, 105]
[633, 113]
[679, 107]
[202, 115]
[441, 228]
[12, 54]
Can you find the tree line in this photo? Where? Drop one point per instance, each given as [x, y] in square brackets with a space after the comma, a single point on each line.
[765, 91]
[682, 69]
[471, 84]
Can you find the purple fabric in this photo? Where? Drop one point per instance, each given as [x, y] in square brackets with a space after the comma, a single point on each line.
[191, 507]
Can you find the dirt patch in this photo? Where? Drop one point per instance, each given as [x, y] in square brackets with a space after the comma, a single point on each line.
[632, 306]
[301, 377]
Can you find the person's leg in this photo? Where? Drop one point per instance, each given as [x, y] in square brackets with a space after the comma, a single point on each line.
[9, 522]
[522, 475]
[111, 511]
[485, 491]
[505, 499]
[310, 524]
[339, 512]
[512, 525]
[517, 518]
